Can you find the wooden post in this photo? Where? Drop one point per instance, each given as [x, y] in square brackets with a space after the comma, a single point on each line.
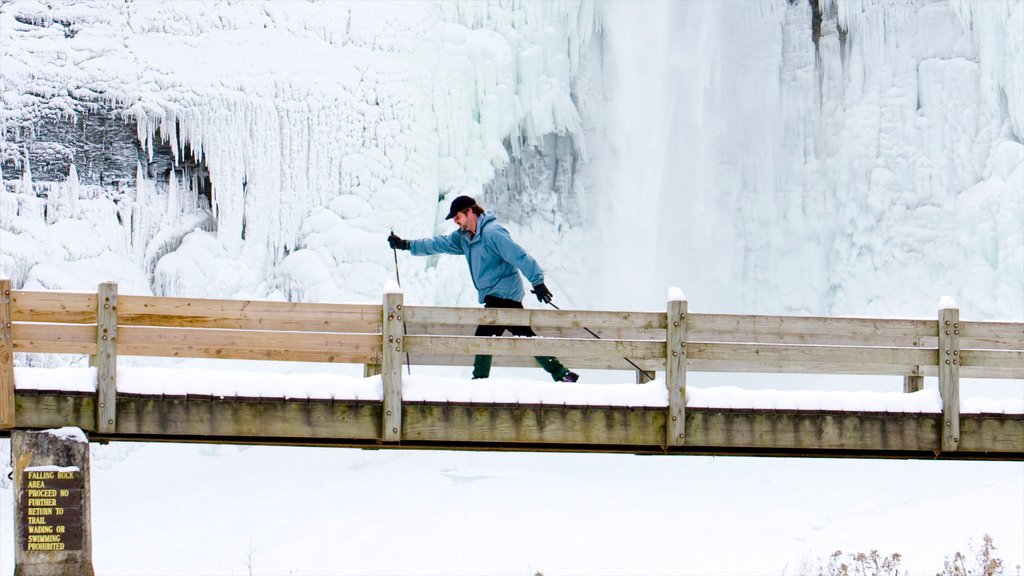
[643, 376]
[391, 366]
[913, 384]
[106, 358]
[949, 377]
[675, 373]
[374, 368]
[6, 358]
[52, 512]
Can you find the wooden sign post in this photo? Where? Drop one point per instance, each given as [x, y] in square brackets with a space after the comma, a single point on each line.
[51, 503]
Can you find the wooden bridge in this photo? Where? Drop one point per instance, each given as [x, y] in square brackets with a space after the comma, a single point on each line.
[383, 336]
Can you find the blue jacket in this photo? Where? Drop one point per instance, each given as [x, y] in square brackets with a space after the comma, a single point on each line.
[494, 259]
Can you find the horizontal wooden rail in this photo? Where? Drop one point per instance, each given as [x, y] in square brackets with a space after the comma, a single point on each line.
[55, 338]
[567, 347]
[545, 331]
[249, 315]
[62, 307]
[715, 356]
[717, 327]
[730, 366]
[77, 308]
[527, 361]
[595, 320]
[1012, 361]
[808, 330]
[992, 335]
[249, 344]
[813, 359]
[848, 331]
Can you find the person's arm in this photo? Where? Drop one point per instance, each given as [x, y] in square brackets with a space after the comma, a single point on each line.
[514, 254]
[445, 244]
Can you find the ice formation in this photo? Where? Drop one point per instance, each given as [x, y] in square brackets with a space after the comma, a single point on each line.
[291, 107]
[867, 163]
[832, 156]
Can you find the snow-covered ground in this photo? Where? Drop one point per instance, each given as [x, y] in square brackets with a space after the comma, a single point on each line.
[866, 166]
[215, 509]
[183, 509]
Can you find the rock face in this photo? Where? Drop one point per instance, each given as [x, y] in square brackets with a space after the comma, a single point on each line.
[539, 183]
[100, 141]
[89, 172]
[102, 145]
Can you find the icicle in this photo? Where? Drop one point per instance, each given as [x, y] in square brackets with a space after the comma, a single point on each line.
[147, 211]
[174, 206]
[26, 175]
[73, 191]
[997, 29]
[8, 205]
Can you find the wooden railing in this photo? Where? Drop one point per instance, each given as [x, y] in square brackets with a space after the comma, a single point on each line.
[105, 325]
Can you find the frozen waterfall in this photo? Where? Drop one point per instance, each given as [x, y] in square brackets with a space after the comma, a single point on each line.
[852, 158]
[842, 157]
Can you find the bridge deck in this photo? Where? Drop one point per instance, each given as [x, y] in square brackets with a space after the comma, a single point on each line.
[382, 337]
[512, 427]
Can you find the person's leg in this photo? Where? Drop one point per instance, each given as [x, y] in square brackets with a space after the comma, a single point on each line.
[482, 363]
[550, 364]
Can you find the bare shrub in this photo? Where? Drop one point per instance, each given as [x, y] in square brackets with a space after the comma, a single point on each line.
[860, 564]
[981, 563]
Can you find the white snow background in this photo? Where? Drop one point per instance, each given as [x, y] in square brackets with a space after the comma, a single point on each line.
[718, 148]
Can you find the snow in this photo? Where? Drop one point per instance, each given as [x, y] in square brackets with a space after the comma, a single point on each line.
[52, 468]
[676, 295]
[717, 145]
[423, 388]
[69, 433]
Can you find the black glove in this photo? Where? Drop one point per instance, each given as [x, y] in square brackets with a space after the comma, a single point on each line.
[396, 242]
[542, 292]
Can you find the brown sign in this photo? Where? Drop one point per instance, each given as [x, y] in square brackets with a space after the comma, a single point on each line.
[51, 510]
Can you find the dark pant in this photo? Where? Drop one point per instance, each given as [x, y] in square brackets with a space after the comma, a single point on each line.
[482, 364]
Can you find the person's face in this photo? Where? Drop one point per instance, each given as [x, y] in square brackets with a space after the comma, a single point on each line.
[466, 220]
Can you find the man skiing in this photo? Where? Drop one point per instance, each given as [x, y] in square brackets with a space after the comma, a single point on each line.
[495, 262]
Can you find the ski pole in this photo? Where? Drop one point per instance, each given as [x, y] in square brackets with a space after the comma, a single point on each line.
[395, 250]
[405, 330]
[647, 374]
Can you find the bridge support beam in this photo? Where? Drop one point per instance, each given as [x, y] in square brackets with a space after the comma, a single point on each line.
[106, 358]
[7, 408]
[949, 377]
[391, 367]
[913, 384]
[675, 373]
[52, 516]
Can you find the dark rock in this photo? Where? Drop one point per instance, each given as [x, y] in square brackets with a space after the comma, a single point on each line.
[103, 146]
